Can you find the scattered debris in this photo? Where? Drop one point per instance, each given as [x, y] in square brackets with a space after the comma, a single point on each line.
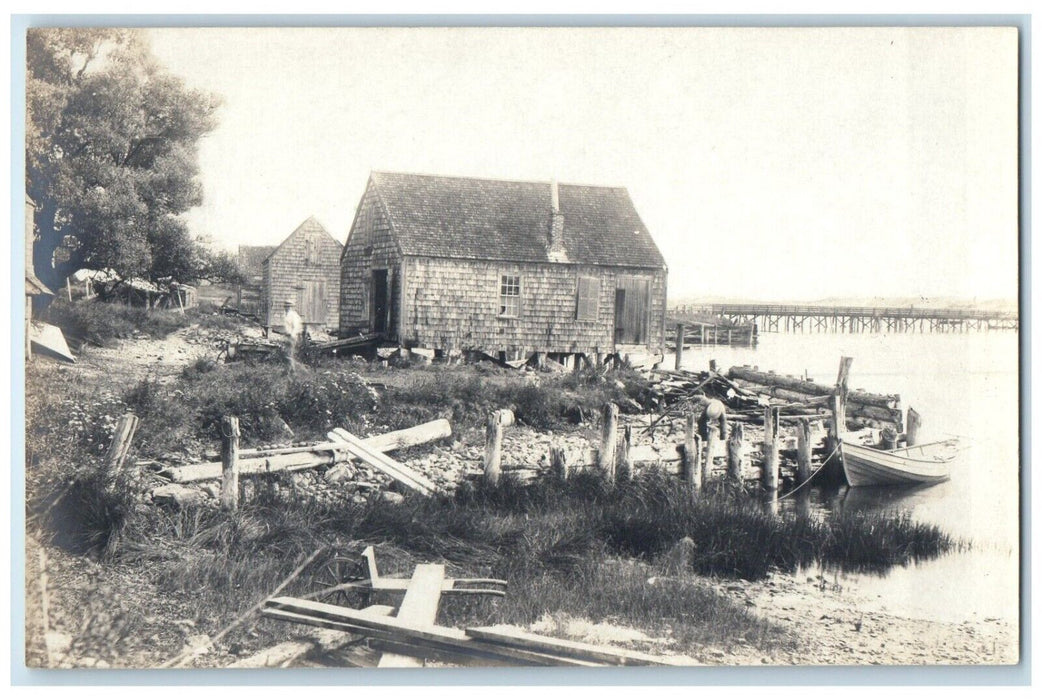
[411, 637]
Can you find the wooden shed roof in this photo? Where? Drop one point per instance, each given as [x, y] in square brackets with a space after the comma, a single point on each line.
[458, 217]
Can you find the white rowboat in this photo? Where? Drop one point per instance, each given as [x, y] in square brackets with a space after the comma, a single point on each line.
[922, 464]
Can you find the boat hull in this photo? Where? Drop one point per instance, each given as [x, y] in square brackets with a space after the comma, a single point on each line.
[865, 466]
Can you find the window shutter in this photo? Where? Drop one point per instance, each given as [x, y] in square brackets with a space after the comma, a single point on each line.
[588, 297]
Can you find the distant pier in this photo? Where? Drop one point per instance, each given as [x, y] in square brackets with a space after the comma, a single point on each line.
[776, 318]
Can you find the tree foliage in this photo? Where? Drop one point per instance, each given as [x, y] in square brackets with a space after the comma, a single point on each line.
[111, 156]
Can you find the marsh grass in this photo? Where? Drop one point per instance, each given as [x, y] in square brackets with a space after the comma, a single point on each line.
[581, 549]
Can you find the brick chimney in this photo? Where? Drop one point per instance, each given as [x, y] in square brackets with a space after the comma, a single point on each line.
[555, 249]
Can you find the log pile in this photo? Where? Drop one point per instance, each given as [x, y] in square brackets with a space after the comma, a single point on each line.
[746, 391]
[863, 409]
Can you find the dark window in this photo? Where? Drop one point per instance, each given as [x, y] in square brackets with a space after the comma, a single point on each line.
[509, 295]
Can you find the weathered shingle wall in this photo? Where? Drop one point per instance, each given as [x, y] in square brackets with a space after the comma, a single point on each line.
[309, 254]
[454, 305]
[370, 246]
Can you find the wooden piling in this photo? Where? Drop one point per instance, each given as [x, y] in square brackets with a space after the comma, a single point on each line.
[769, 474]
[713, 438]
[230, 463]
[122, 438]
[912, 427]
[558, 463]
[609, 429]
[734, 453]
[803, 449]
[680, 347]
[493, 448]
[625, 461]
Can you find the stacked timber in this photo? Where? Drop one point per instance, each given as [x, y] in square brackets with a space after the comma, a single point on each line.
[863, 409]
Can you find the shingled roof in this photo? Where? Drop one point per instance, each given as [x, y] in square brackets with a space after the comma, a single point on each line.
[456, 217]
[310, 225]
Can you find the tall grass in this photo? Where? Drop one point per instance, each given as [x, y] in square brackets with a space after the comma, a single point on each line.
[578, 549]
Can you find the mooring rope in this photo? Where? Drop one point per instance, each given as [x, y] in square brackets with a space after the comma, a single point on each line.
[814, 473]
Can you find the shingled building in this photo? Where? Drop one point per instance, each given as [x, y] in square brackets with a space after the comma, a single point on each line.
[514, 268]
[304, 269]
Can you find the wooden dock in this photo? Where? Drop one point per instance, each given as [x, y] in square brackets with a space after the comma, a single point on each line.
[788, 318]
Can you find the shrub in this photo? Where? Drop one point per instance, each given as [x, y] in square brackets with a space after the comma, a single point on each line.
[99, 323]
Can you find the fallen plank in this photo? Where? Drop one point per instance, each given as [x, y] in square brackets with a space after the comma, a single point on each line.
[455, 642]
[389, 466]
[552, 645]
[419, 607]
[309, 457]
[284, 654]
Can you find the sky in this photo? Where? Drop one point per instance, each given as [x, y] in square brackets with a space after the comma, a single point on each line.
[771, 164]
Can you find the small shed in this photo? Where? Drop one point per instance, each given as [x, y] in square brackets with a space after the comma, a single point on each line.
[513, 268]
[249, 293]
[305, 269]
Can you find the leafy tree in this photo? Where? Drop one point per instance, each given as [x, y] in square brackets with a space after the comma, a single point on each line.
[111, 155]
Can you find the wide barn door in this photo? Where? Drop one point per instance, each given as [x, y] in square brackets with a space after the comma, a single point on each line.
[631, 310]
[311, 301]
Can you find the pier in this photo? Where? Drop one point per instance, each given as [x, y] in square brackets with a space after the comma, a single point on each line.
[776, 318]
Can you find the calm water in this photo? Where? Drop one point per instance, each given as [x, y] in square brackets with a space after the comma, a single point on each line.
[964, 385]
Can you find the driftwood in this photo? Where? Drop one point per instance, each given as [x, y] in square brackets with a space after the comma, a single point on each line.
[812, 388]
[854, 408]
[122, 438]
[253, 462]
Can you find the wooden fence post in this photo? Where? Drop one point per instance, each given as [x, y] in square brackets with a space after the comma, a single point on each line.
[802, 450]
[734, 453]
[680, 347]
[712, 440]
[836, 427]
[558, 463]
[690, 470]
[493, 448]
[912, 427]
[121, 440]
[625, 457]
[230, 463]
[609, 440]
[770, 448]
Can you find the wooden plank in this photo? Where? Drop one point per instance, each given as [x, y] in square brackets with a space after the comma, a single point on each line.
[420, 607]
[563, 647]
[393, 468]
[438, 637]
[295, 458]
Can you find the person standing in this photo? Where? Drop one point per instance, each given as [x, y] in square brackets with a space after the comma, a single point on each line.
[294, 326]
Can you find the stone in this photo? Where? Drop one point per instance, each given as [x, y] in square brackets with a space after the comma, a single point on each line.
[392, 497]
[337, 474]
[178, 495]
